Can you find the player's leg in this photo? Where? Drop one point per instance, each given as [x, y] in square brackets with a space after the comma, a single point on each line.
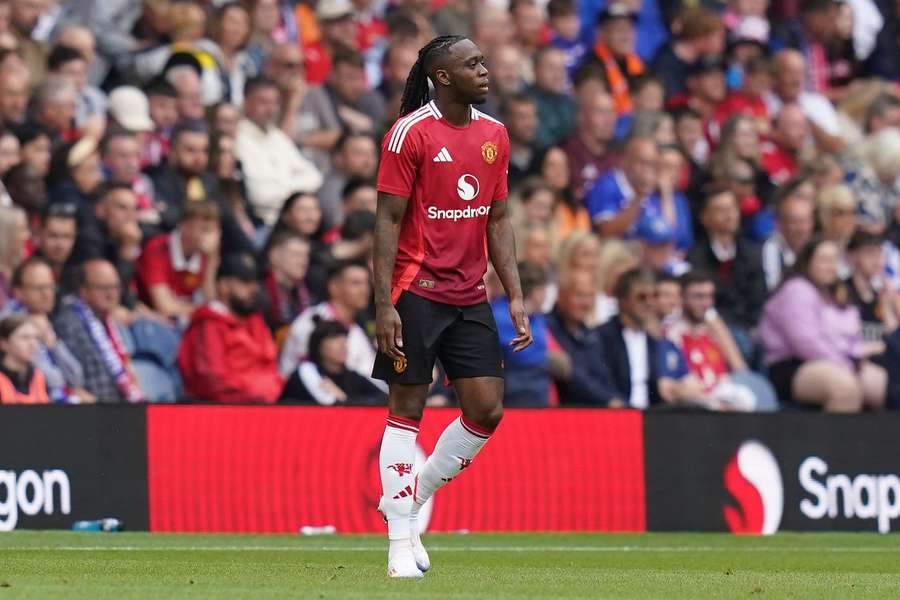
[471, 353]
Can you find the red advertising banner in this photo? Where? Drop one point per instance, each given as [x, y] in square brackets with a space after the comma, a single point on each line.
[275, 469]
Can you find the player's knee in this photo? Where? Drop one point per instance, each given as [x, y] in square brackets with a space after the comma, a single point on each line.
[491, 418]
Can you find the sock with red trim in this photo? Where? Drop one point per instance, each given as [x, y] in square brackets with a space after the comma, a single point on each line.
[453, 452]
[396, 460]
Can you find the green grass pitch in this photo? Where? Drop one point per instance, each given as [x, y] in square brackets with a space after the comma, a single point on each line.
[497, 566]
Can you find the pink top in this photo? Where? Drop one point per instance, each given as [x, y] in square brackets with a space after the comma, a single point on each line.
[799, 323]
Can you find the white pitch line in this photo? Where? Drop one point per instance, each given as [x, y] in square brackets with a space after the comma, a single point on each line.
[523, 549]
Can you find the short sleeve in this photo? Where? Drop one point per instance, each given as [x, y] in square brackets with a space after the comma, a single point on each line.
[401, 152]
[502, 190]
[604, 200]
[153, 265]
[671, 361]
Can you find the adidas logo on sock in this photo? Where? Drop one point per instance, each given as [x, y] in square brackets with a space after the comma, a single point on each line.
[407, 491]
[443, 156]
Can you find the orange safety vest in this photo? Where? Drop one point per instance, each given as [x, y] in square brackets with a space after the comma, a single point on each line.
[37, 390]
[618, 82]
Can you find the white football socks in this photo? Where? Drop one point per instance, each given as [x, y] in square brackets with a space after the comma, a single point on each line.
[396, 461]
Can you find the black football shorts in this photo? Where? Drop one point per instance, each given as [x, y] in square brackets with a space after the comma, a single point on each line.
[463, 337]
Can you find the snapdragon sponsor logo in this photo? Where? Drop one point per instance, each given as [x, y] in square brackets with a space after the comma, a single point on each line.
[456, 214]
[865, 496]
[29, 493]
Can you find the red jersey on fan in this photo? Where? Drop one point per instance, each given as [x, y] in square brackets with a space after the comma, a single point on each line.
[450, 175]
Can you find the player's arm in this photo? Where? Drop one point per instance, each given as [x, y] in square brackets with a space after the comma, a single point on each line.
[502, 250]
[388, 328]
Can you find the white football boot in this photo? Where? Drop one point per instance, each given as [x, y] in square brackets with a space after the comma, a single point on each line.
[402, 561]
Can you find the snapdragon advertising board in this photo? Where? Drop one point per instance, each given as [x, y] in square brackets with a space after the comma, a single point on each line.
[275, 469]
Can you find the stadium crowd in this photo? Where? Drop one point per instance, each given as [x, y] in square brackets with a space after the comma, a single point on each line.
[705, 195]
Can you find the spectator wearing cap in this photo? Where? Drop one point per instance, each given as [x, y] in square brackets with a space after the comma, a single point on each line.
[34, 294]
[87, 324]
[227, 355]
[615, 52]
[323, 377]
[698, 32]
[528, 373]
[359, 108]
[176, 271]
[337, 23]
[620, 195]
[589, 148]
[273, 165]
[795, 220]
[129, 109]
[550, 92]
[55, 238]
[14, 90]
[588, 382]
[53, 108]
[121, 154]
[162, 98]
[657, 247]
[74, 173]
[285, 294]
[790, 88]
[90, 105]
[355, 155]
[307, 114]
[349, 291]
[734, 263]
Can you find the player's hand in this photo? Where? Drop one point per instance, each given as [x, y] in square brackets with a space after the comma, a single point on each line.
[523, 337]
[389, 332]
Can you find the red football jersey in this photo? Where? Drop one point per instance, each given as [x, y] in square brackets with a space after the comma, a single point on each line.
[450, 175]
[162, 262]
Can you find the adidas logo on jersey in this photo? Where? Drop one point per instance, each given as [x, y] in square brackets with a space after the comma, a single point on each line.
[443, 156]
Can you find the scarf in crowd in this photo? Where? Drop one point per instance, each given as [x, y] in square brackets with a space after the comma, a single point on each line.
[618, 81]
[58, 394]
[285, 306]
[112, 351]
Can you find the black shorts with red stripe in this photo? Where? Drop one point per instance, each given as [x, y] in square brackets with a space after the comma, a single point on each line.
[464, 338]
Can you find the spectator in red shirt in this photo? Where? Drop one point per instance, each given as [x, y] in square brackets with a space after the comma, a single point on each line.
[781, 155]
[174, 267]
[227, 354]
[749, 100]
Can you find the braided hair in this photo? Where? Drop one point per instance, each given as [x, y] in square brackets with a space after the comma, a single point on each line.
[415, 94]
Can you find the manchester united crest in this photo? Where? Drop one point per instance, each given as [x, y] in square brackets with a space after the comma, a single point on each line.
[489, 152]
[400, 365]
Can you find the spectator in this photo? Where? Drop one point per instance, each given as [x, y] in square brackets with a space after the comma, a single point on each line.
[20, 381]
[121, 154]
[324, 379]
[740, 142]
[285, 295]
[750, 99]
[535, 248]
[812, 338]
[223, 119]
[14, 236]
[359, 194]
[189, 90]
[657, 243]
[35, 144]
[85, 323]
[14, 84]
[34, 293]
[690, 137]
[639, 363]
[837, 212]
[302, 215]
[307, 115]
[589, 148]
[355, 155]
[874, 298]
[90, 105]
[530, 26]
[620, 196]
[54, 108]
[706, 89]
[565, 29]
[883, 113]
[698, 32]
[338, 27]
[534, 205]
[230, 32]
[571, 215]
[673, 208]
[589, 382]
[349, 291]
[74, 173]
[56, 236]
[81, 39]
[782, 154]
[163, 109]
[396, 63]
[520, 114]
[23, 18]
[555, 106]
[272, 163]
[795, 221]
[667, 300]
[712, 354]
[110, 232]
[129, 111]
[10, 153]
[175, 268]
[233, 192]
[876, 182]
[359, 109]
[615, 52]
[227, 354]
[528, 373]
